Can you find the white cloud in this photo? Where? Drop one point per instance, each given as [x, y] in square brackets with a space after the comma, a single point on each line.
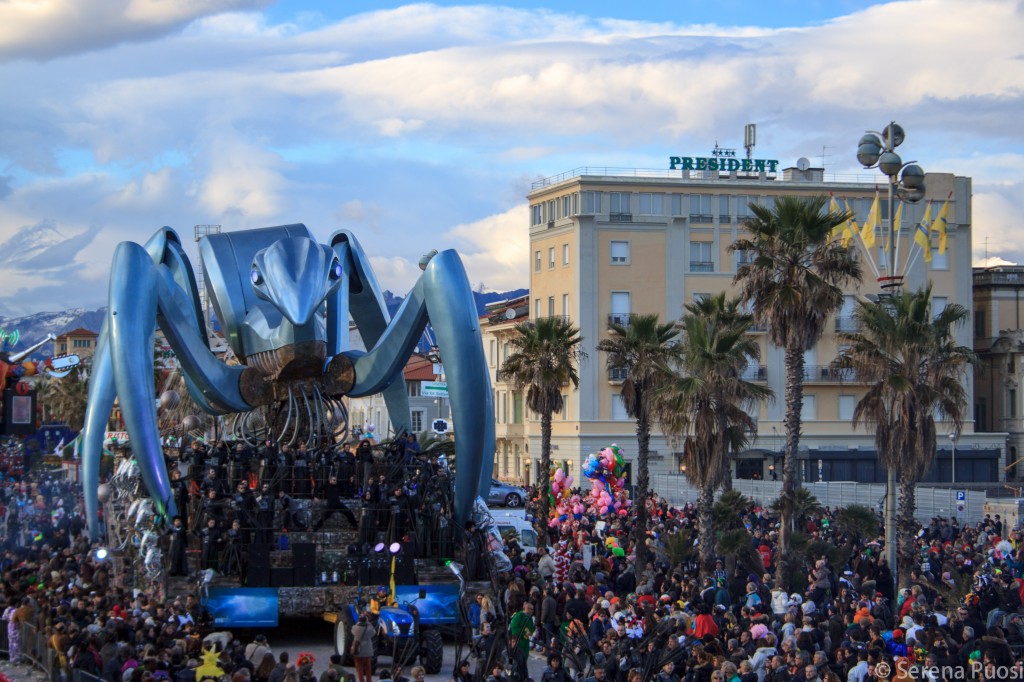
[496, 249]
[44, 29]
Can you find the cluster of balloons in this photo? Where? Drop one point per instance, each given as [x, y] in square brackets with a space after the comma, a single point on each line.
[612, 543]
[606, 471]
[564, 504]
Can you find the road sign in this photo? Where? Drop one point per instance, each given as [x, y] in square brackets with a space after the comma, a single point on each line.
[961, 495]
[439, 426]
[960, 507]
[434, 389]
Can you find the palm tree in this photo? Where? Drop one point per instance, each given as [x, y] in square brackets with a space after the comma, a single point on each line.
[545, 357]
[641, 351]
[793, 283]
[65, 398]
[703, 407]
[915, 370]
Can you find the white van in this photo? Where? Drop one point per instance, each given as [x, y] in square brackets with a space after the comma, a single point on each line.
[509, 521]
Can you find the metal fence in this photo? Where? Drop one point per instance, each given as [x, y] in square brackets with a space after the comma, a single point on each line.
[35, 649]
[931, 502]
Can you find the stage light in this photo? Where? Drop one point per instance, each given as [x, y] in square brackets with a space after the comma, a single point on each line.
[379, 548]
[101, 553]
[395, 548]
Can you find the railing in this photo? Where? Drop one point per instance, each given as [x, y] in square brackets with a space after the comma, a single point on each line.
[701, 218]
[678, 175]
[620, 217]
[757, 328]
[826, 374]
[991, 278]
[755, 373]
[701, 266]
[617, 374]
[35, 649]
[563, 318]
[847, 324]
[621, 319]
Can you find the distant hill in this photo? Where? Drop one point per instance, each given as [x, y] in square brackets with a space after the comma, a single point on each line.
[33, 328]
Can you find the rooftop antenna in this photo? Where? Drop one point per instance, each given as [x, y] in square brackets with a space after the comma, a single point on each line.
[749, 137]
[824, 155]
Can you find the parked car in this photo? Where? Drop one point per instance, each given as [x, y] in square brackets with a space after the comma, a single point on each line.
[505, 495]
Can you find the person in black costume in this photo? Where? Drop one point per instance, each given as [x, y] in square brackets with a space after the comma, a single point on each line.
[334, 502]
[179, 545]
[210, 538]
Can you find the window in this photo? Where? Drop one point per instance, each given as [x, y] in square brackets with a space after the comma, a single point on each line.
[551, 258]
[1011, 403]
[618, 202]
[493, 355]
[565, 304]
[591, 202]
[939, 304]
[700, 208]
[536, 261]
[536, 309]
[620, 253]
[565, 254]
[847, 403]
[504, 407]
[417, 421]
[742, 208]
[515, 461]
[551, 306]
[538, 213]
[552, 207]
[517, 408]
[652, 204]
[700, 257]
[810, 409]
[504, 355]
[940, 261]
[620, 307]
[677, 204]
[413, 389]
[723, 209]
[567, 206]
[618, 408]
[700, 297]
[979, 323]
[745, 257]
[565, 407]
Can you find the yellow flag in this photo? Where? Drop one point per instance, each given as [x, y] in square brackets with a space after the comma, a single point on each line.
[851, 225]
[867, 233]
[839, 231]
[896, 225]
[940, 225]
[921, 234]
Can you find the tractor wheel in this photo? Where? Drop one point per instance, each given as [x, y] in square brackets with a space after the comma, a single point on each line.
[431, 651]
[343, 637]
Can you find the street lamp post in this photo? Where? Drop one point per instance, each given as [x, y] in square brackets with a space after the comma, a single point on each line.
[952, 439]
[906, 181]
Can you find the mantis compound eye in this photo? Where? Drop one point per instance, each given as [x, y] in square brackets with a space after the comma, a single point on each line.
[336, 270]
[256, 276]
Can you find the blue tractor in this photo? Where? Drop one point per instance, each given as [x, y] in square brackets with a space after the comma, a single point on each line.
[413, 628]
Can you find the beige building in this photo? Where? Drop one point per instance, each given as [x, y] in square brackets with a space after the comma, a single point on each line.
[80, 342]
[512, 461]
[999, 342]
[604, 245]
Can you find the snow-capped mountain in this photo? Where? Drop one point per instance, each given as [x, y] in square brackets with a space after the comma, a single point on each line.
[34, 328]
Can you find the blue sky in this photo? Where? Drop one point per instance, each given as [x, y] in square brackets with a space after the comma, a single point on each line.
[421, 126]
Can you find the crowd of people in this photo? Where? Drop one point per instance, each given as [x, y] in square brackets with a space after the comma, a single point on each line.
[582, 607]
[595, 618]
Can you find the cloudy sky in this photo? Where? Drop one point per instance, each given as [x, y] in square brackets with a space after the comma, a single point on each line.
[422, 126]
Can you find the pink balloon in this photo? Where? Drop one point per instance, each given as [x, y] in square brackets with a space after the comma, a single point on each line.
[604, 509]
[598, 484]
[568, 481]
[623, 512]
[621, 483]
[560, 475]
[553, 523]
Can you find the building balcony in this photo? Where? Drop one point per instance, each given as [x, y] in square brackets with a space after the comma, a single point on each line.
[847, 324]
[509, 431]
[826, 374]
[755, 373]
[620, 217]
[617, 375]
[701, 266]
[621, 319]
[757, 329]
[1012, 278]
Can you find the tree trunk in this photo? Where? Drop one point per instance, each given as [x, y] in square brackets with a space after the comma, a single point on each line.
[544, 478]
[794, 405]
[706, 538]
[643, 483]
[906, 531]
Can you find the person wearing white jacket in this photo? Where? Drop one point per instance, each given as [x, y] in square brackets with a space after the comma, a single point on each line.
[762, 655]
